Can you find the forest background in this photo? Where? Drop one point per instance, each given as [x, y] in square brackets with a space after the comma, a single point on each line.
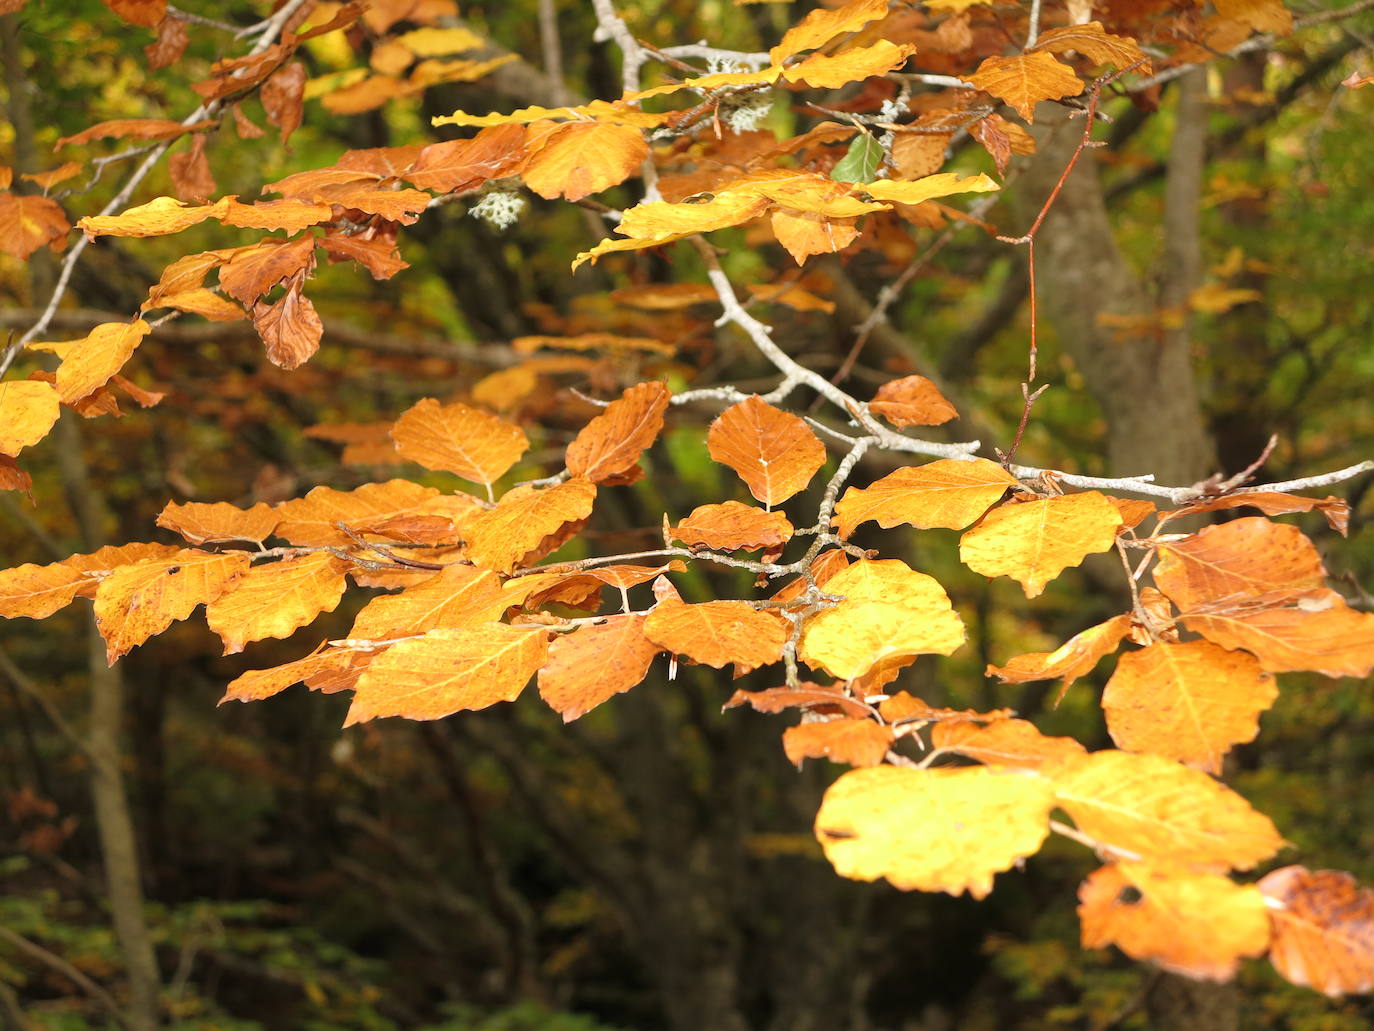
[651, 865]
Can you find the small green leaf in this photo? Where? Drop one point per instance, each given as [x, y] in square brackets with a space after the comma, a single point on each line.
[860, 163]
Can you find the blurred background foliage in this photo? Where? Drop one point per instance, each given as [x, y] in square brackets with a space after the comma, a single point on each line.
[651, 865]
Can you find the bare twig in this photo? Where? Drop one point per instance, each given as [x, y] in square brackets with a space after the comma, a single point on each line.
[55, 962]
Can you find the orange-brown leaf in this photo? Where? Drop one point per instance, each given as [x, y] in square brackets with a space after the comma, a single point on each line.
[1161, 810]
[858, 742]
[1025, 80]
[1189, 701]
[804, 233]
[38, 591]
[309, 521]
[774, 452]
[1003, 742]
[912, 401]
[609, 446]
[146, 13]
[933, 830]
[139, 128]
[808, 695]
[471, 443]
[283, 97]
[1200, 925]
[502, 538]
[731, 526]
[28, 223]
[595, 663]
[456, 596]
[28, 410]
[1242, 558]
[822, 25]
[1323, 929]
[252, 271]
[199, 522]
[581, 158]
[277, 599]
[447, 671]
[257, 684]
[949, 493]
[1336, 511]
[459, 165]
[1098, 45]
[290, 327]
[718, 633]
[1071, 660]
[1035, 541]
[144, 598]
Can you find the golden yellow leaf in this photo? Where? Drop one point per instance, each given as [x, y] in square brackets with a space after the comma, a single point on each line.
[1161, 810]
[608, 448]
[447, 671]
[731, 525]
[912, 401]
[200, 301]
[718, 633]
[933, 830]
[804, 233]
[1323, 929]
[158, 217]
[1260, 15]
[581, 158]
[38, 591]
[432, 72]
[291, 214]
[436, 42]
[658, 220]
[822, 25]
[471, 443]
[949, 493]
[824, 71]
[891, 611]
[714, 81]
[610, 112]
[1003, 742]
[199, 522]
[310, 521]
[594, 664]
[456, 596]
[1025, 80]
[28, 410]
[774, 452]
[1071, 660]
[277, 599]
[1189, 701]
[916, 191]
[502, 538]
[257, 684]
[612, 342]
[1035, 541]
[1152, 913]
[808, 192]
[144, 598]
[90, 362]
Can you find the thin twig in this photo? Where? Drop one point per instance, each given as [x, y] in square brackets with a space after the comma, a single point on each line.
[71, 973]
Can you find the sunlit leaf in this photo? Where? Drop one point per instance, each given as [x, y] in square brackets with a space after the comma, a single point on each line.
[609, 446]
[773, 451]
[595, 663]
[1034, 541]
[28, 410]
[500, 539]
[466, 441]
[276, 599]
[1025, 80]
[948, 493]
[718, 633]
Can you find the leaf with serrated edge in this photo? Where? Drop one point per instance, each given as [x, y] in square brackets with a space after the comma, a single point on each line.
[948, 493]
[501, 538]
[595, 663]
[447, 671]
[465, 441]
[717, 633]
[933, 830]
[277, 599]
[773, 451]
[1035, 541]
[610, 445]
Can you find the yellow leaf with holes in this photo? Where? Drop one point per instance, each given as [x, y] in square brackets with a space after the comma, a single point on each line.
[946, 830]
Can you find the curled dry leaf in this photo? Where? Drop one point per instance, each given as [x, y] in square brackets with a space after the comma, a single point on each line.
[949, 493]
[933, 830]
[1035, 541]
[447, 671]
[731, 526]
[1323, 929]
[1151, 913]
[459, 165]
[466, 441]
[608, 448]
[139, 128]
[1161, 811]
[1071, 660]
[718, 633]
[857, 742]
[249, 272]
[276, 599]
[774, 452]
[595, 663]
[1189, 701]
[290, 327]
[912, 401]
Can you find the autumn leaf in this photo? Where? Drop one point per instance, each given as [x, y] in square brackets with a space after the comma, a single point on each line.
[1336, 511]
[822, 25]
[310, 521]
[1189, 701]
[1159, 809]
[500, 539]
[447, 671]
[731, 526]
[1025, 80]
[36, 592]
[773, 451]
[1002, 742]
[1323, 927]
[824, 71]
[808, 695]
[28, 223]
[465, 441]
[456, 596]
[594, 664]
[580, 158]
[291, 214]
[88, 364]
[142, 599]
[1260, 15]
[259, 684]
[1033, 542]
[949, 493]
[290, 327]
[608, 448]
[890, 611]
[912, 401]
[28, 410]
[1074, 658]
[717, 633]
[1095, 43]
[655, 223]
[1241, 558]
[158, 217]
[1151, 913]
[283, 97]
[460, 165]
[252, 271]
[139, 128]
[933, 830]
[917, 191]
[803, 233]
[200, 522]
[146, 13]
[857, 742]
[276, 599]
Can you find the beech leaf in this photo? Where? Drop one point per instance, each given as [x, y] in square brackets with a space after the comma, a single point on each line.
[594, 664]
[1323, 929]
[608, 447]
[948, 493]
[1025, 80]
[28, 410]
[773, 451]
[466, 441]
[717, 633]
[276, 599]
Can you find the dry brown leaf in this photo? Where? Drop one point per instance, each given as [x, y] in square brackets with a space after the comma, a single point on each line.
[1238, 559]
[29, 223]
[310, 521]
[290, 327]
[1323, 929]
[460, 165]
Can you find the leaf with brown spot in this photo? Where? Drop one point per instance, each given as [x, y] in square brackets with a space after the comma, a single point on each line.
[1033, 542]
[731, 526]
[774, 452]
[595, 663]
[858, 742]
[199, 522]
[276, 599]
[28, 410]
[447, 671]
[1323, 929]
[502, 538]
[144, 598]
[609, 446]
[948, 493]
[1151, 913]
[912, 401]
[1025, 80]
[933, 830]
[717, 633]
[465, 441]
